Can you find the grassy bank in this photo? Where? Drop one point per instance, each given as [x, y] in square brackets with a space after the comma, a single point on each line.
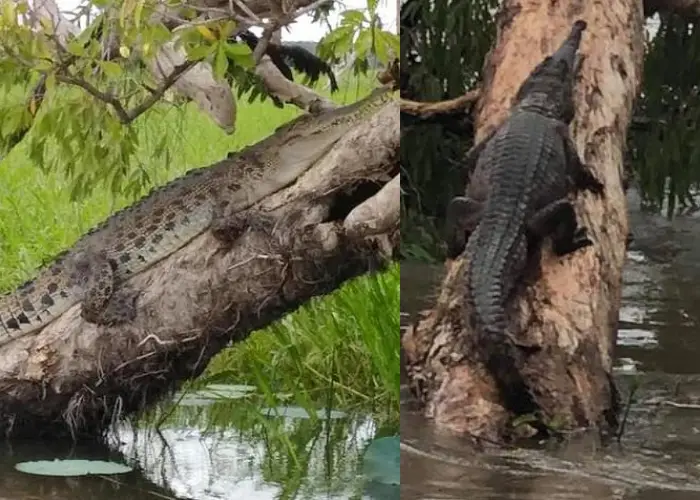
[345, 345]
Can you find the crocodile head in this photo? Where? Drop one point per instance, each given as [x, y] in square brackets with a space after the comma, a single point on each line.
[548, 89]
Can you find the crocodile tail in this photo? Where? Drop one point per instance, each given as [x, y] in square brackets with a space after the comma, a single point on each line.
[491, 283]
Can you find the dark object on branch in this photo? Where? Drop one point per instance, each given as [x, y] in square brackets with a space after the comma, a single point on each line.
[527, 202]
[297, 57]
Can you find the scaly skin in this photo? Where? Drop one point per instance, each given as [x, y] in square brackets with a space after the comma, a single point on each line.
[524, 173]
[169, 217]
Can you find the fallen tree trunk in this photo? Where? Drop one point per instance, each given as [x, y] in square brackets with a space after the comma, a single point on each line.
[338, 221]
[567, 317]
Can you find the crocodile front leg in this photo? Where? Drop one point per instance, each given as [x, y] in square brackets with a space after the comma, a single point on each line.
[228, 221]
[580, 172]
[558, 220]
[101, 304]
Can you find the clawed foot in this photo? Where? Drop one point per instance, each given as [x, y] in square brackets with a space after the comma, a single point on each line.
[589, 182]
[120, 309]
[566, 246]
[228, 228]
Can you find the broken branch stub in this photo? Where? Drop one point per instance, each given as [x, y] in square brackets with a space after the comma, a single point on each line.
[564, 317]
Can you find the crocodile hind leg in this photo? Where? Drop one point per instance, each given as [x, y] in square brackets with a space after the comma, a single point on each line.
[558, 220]
[462, 217]
[102, 304]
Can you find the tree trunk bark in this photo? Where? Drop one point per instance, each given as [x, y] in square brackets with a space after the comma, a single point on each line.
[567, 314]
[338, 221]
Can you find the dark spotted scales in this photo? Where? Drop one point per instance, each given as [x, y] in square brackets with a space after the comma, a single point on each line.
[92, 272]
[519, 190]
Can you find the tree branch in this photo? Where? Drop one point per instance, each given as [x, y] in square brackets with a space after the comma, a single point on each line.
[427, 109]
[125, 116]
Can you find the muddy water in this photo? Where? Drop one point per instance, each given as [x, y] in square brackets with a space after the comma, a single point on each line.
[658, 346]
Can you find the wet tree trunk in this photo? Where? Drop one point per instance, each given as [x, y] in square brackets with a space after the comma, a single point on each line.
[338, 221]
[567, 314]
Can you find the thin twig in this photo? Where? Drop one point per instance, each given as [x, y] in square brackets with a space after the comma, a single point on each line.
[126, 117]
[245, 9]
[97, 93]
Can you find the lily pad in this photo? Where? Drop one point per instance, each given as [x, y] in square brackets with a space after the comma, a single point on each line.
[381, 461]
[71, 467]
[299, 412]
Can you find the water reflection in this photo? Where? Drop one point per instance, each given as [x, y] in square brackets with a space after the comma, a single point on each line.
[229, 449]
[234, 451]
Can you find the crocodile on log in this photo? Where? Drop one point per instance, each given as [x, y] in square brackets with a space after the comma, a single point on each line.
[135, 238]
[519, 193]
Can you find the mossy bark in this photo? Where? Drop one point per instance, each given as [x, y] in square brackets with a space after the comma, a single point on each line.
[567, 313]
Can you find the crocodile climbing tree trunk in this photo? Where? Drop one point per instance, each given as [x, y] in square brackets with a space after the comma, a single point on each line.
[566, 314]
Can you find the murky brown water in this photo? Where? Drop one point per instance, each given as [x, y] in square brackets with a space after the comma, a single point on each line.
[659, 342]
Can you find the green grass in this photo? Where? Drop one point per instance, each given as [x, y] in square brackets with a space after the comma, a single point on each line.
[343, 347]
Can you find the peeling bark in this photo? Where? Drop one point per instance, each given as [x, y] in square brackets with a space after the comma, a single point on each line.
[75, 376]
[567, 312]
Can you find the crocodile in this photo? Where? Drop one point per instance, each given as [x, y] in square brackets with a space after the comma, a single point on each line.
[167, 218]
[526, 169]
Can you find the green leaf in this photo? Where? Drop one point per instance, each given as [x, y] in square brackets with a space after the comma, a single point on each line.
[381, 49]
[338, 41]
[391, 40]
[372, 7]
[50, 82]
[353, 17]
[11, 121]
[227, 29]
[111, 69]
[9, 14]
[43, 65]
[76, 48]
[363, 44]
[241, 54]
[220, 61]
[199, 52]
[137, 13]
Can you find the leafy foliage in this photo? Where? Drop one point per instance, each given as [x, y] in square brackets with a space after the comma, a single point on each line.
[443, 45]
[84, 98]
[664, 148]
[361, 33]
